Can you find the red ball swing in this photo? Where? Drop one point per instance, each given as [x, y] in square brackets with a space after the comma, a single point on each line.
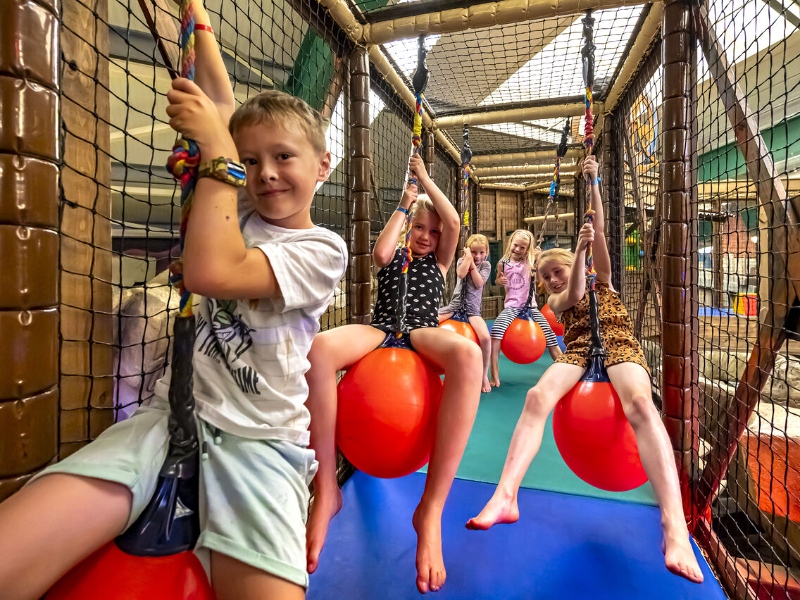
[459, 323]
[524, 341]
[389, 400]
[558, 328]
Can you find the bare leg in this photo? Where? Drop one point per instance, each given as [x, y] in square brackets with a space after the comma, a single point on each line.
[235, 580]
[461, 361]
[479, 325]
[495, 382]
[555, 351]
[632, 383]
[332, 351]
[51, 525]
[444, 316]
[539, 403]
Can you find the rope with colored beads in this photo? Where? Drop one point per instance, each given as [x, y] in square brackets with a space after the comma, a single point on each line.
[561, 150]
[587, 53]
[185, 156]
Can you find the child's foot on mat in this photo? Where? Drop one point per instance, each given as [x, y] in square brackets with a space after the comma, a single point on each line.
[323, 509]
[430, 563]
[679, 557]
[486, 386]
[497, 511]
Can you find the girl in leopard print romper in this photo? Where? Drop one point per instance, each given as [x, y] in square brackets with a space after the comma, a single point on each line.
[562, 275]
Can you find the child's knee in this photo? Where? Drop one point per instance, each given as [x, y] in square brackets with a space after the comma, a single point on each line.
[639, 407]
[468, 354]
[537, 403]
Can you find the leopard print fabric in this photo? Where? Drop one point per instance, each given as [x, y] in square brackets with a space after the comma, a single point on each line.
[615, 330]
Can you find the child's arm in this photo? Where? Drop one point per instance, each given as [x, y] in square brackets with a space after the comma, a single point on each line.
[477, 278]
[465, 264]
[386, 244]
[576, 287]
[451, 225]
[210, 73]
[500, 278]
[216, 262]
[602, 260]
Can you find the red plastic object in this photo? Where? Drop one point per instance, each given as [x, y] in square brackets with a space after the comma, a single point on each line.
[388, 403]
[523, 342]
[461, 328]
[558, 328]
[596, 440]
[111, 573]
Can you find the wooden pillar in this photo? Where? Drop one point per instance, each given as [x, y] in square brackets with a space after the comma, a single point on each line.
[429, 151]
[87, 374]
[29, 157]
[360, 159]
[717, 231]
[679, 310]
[498, 229]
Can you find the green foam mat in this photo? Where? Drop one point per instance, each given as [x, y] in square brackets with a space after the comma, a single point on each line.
[488, 443]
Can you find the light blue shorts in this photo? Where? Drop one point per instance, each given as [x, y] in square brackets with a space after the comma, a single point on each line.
[253, 493]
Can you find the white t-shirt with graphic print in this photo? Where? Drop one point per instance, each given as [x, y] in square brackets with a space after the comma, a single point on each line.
[251, 357]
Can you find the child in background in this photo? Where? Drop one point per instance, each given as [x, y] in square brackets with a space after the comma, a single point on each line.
[564, 278]
[514, 272]
[434, 234]
[473, 268]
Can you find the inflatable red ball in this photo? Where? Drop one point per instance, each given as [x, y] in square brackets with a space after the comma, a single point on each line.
[523, 342]
[388, 402]
[461, 328]
[558, 328]
[595, 439]
[111, 573]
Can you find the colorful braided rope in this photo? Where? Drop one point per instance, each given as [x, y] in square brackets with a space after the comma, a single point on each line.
[185, 157]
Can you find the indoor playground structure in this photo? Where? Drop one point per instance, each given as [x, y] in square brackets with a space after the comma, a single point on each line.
[692, 109]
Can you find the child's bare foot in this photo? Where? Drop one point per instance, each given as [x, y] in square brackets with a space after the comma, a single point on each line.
[500, 509]
[323, 509]
[679, 557]
[486, 386]
[430, 563]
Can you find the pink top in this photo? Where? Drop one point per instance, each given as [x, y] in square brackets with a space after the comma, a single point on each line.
[518, 284]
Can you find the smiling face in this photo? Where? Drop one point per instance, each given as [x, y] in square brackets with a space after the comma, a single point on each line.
[283, 170]
[554, 275]
[426, 228]
[479, 252]
[519, 247]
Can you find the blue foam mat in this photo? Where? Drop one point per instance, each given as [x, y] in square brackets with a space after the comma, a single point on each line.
[563, 547]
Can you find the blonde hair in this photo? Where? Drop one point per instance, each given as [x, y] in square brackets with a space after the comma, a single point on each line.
[479, 239]
[556, 255]
[282, 109]
[527, 235]
[423, 204]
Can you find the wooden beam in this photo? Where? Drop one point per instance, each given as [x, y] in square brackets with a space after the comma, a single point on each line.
[162, 27]
[545, 170]
[555, 110]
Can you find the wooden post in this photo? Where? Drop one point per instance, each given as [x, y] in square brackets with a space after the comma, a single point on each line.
[498, 229]
[680, 374]
[360, 169]
[429, 152]
[87, 383]
[615, 213]
[717, 231]
[29, 157]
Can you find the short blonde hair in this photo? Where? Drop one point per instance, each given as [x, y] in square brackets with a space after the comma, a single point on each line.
[527, 235]
[479, 239]
[283, 109]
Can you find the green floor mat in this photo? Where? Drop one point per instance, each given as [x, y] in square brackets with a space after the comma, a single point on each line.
[497, 416]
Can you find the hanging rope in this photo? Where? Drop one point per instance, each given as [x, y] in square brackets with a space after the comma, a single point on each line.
[561, 151]
[185, 157]
[466, 156]
[587, 53]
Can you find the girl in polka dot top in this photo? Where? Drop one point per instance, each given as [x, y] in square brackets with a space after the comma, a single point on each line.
[434, 235]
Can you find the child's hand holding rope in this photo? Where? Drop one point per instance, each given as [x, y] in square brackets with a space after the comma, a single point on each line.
[194, 116]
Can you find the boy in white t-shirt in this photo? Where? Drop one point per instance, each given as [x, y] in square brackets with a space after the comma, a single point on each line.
[250, 359]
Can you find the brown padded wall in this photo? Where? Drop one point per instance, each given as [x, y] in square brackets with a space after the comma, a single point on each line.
[29, 159]
[679, 341]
